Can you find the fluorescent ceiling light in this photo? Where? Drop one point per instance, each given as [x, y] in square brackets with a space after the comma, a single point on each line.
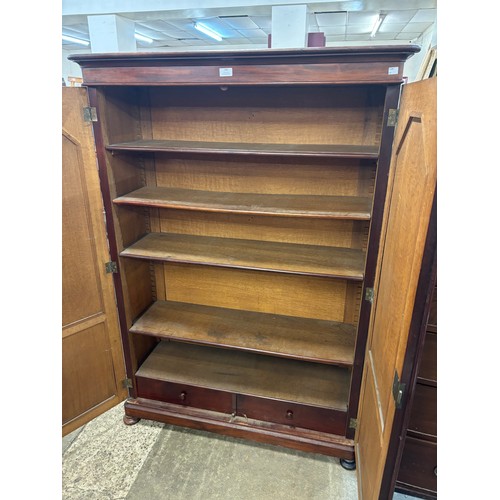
[75, 40]
[208, 31]
[143, 38]
[377, 24]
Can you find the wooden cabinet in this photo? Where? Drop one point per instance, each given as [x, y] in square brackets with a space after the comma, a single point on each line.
[418, 470]
[244, 194]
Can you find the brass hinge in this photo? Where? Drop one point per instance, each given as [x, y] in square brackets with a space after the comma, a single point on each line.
[398, 391]
[392, 117]
[89, 114]
[369, 295]
[353, 423]
[111, 267]
[127, 383]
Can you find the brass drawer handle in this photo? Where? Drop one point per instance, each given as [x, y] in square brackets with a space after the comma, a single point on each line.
[183, 395]
[289, 414]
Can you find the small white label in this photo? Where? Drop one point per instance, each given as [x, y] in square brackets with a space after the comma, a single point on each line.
[393, 70]
[225, 71]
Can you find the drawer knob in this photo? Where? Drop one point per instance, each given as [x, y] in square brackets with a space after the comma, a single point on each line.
[183, 395]
[435, 471]
[289, 414]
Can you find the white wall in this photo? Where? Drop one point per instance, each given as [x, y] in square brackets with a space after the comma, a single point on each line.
[427, 41]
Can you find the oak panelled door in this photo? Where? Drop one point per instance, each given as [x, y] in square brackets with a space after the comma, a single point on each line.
[412, 182]
[92, 359]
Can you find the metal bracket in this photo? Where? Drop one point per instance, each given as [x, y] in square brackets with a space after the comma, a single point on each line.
[392, 117]
[90, 114]
[111, 267]
[369, 295]
[353, 423]
[127, 383]
[398, 391]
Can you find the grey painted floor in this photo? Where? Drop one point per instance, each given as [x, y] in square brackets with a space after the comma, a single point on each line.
[107, 460]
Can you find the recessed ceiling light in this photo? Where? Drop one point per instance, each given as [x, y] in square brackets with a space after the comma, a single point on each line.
[208, 31]
[75, 40]
[143, 38]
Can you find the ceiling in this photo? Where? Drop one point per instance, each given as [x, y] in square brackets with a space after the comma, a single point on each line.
[248, 26]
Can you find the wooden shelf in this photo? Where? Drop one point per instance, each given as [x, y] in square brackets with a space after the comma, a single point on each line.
[315, 150]
[286, 336]
[327, 207]
[313, 260]
[249, 374]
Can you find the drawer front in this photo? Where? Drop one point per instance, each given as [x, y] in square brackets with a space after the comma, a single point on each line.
[423, 418]
[293, 414]
[186, 395]
[428, 363]
[418, 464]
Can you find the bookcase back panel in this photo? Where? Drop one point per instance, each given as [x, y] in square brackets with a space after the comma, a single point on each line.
[335, 177]
[321, 232]
[287, 294]
[280, 115]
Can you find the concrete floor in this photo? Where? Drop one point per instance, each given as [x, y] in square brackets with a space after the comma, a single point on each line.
[107, 460]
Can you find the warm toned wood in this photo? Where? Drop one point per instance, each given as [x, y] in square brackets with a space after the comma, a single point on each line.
[336, 207]
[317, 150]
[276, 293]
[92, 357]
[248, 373]
[250, 254]
[423, 419]
[257, 430]
[300, 338]
[341, 233]
[412, 183]
[305, 176]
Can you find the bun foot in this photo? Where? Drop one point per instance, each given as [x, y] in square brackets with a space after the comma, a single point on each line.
[128, 420]
[348, 464]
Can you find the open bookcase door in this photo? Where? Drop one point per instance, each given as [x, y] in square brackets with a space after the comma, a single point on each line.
[400, 271]
[92, 360]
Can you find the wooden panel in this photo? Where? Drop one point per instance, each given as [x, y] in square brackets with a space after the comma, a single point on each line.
[186, 395]
[432, 322]
[87, 371]
[418, 465]
[335, 207]
[93, 364]
[289, 295]
[271, 115]
[309, 339]
[373, 72]
[248, 373]
[331, 178]
[409, 201]
[247, 148]
[250, 254]
[81, 286]
[292, 414]
[341, 233]
[423, 419]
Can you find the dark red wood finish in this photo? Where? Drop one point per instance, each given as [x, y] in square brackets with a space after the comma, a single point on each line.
[186, 395]
[391, 102]
[264, 67]
[423, 420]
[418, 473]
[110, 229]
[292, 414]
[241, 427]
